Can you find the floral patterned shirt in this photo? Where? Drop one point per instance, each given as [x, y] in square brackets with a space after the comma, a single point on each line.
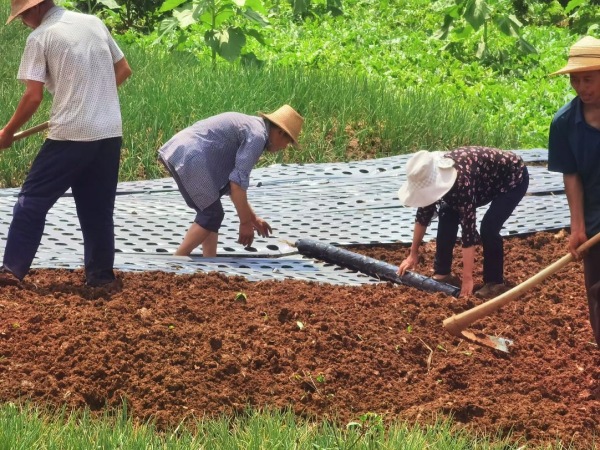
[482, 174]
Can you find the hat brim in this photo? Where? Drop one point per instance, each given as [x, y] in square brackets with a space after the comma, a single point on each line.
[575, 68]
[12, 17]
[22, 9]
[424, 197]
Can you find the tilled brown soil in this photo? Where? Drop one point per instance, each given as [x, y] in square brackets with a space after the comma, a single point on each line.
[177, 347]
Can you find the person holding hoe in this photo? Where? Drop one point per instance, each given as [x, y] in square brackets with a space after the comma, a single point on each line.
[454, 185]
[75, 58]
[574, 151]
[214, 157]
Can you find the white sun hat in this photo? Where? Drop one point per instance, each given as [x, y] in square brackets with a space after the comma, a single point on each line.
[429, 175]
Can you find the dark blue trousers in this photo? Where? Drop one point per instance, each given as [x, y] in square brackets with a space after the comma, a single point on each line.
[91, 170]
[591, 270]
[493, 249]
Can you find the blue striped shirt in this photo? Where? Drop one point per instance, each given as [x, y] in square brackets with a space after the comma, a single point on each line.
[212, 152]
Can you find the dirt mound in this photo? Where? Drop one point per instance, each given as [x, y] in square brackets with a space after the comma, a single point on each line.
[177, 346]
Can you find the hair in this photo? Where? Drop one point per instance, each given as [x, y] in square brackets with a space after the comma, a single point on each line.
[273, 124]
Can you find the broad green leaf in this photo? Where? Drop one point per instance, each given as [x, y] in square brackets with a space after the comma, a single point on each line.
[335, 7]
[481, 49]
[257, 5]
[250, 60]
[223, 16]
[508, 25]
[110, 4]
[573, 4]
[442, 34]
[227, 43]
[185, 15]
[210, 37]
[526, 47]
[231, 42]
[239, 3]
[256, 35]
[168, 5]
[256, 18]
[463, 33]
[167, 26]
[443, 31]
[453, 12]
[206, 18]
[300, 6]
[515, 21]
[476, 13]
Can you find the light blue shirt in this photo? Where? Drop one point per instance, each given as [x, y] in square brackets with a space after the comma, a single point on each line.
[212, 152]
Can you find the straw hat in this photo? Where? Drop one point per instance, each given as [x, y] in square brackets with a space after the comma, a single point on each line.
[429, 176]
[584, 56]
[288, 120]
[20, 6]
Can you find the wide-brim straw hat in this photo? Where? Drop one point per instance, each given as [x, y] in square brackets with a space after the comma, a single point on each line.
[584, 56]
[288, 120]
[429, 176]
[20, 6]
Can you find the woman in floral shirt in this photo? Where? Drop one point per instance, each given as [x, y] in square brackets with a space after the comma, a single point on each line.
[453, 185]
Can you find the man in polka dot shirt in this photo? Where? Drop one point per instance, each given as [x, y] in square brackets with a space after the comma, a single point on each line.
[214, 157]
[75, 58]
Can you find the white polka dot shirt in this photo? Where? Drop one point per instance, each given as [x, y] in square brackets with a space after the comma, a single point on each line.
[74, 55]
[209, 154]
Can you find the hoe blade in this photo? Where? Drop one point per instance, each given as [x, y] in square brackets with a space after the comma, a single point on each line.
[495, 342]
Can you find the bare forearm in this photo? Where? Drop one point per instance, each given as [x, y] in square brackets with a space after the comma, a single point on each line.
[28, 105]
[468, 256]
[240, 201]
[418, 235]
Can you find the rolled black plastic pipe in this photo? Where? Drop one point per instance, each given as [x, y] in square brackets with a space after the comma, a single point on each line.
[371, 266]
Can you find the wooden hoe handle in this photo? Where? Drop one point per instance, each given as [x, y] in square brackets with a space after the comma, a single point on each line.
[30, 131]
[457, 323]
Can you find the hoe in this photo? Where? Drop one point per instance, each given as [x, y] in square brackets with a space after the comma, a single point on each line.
[456, 324]
[30, 131]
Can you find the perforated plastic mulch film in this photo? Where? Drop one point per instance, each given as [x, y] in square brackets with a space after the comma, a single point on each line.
[335, 204]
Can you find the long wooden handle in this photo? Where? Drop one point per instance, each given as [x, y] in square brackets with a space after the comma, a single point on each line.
[457, 323]
[30, 131]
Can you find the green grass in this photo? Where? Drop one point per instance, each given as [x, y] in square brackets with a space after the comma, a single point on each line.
[171, 91]
[27, 427]
[350, 114]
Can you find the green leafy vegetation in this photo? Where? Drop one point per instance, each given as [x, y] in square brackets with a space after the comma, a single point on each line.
[371, 80]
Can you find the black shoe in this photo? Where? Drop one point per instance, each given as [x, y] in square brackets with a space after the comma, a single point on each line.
[448, 279]
[112, 286]
[7, 278]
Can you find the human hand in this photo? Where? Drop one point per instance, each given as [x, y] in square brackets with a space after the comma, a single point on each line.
[575, 240]
[466, 287]
[246, 234]
[409, 263]
[262, 227]
[6, 139]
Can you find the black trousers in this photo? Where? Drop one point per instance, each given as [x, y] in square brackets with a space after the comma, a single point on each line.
[493, 249]
[591, 271]
[91, 170]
